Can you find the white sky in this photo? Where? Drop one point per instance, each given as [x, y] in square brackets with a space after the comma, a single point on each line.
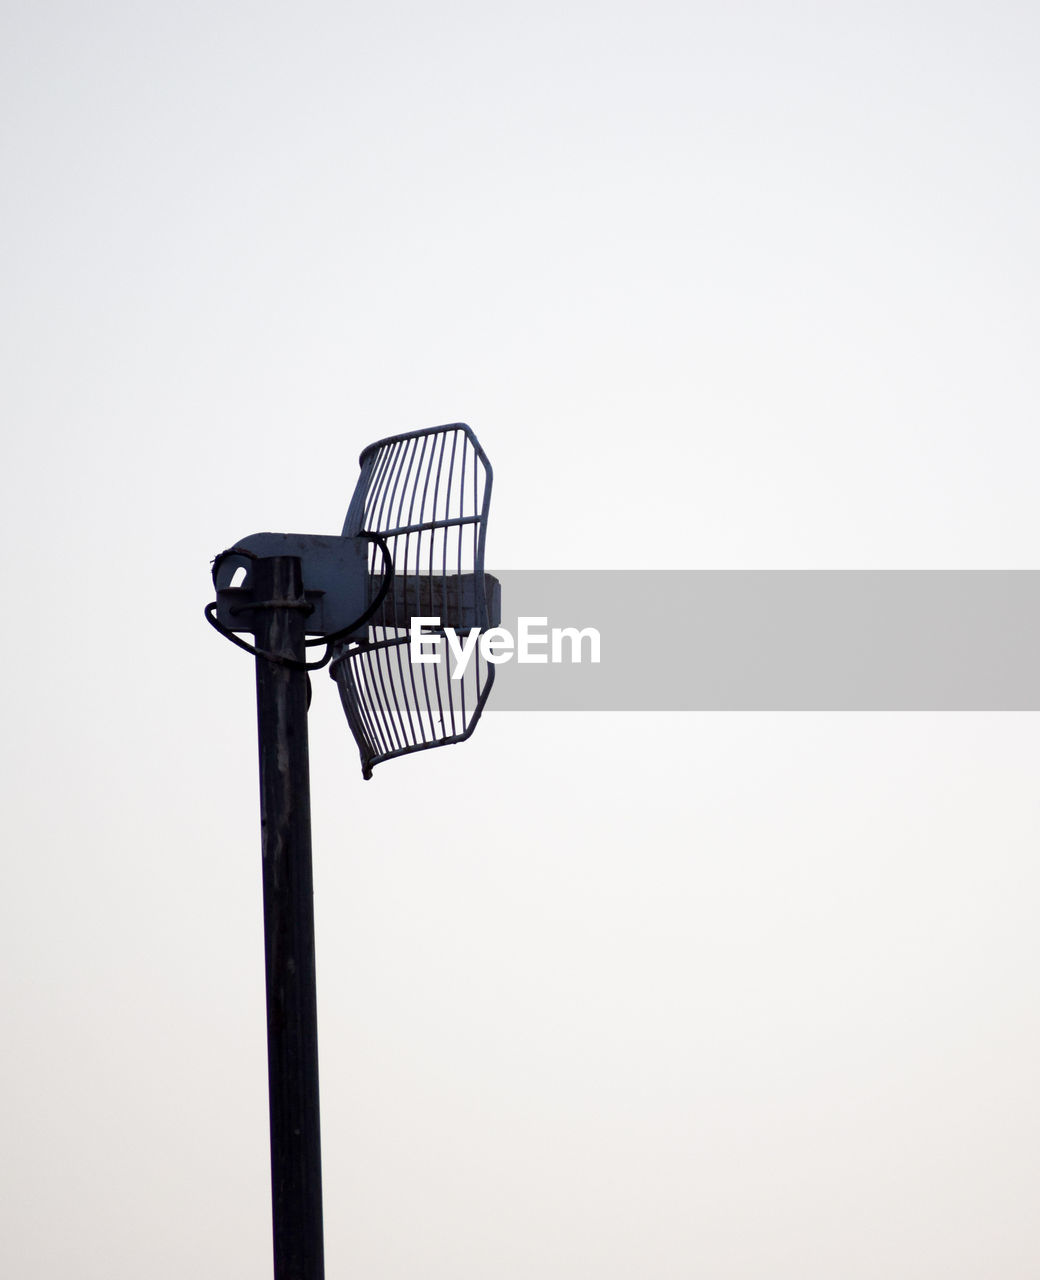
[742, 996]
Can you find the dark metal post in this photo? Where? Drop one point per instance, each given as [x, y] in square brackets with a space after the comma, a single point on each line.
[292, 1019]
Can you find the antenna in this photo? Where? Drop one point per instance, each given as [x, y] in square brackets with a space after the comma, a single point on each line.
[412, 548]
[427, 495]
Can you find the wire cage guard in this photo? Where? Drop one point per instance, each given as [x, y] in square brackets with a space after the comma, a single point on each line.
[426, 494]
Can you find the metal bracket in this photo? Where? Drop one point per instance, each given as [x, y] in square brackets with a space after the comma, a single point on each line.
[335, 571]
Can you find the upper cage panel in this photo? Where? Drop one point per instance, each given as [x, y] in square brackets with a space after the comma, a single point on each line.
[424, 481]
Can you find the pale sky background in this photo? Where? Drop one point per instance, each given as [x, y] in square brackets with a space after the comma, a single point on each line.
[735, 997]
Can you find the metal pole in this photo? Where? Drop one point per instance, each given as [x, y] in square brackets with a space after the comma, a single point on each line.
[279, 608]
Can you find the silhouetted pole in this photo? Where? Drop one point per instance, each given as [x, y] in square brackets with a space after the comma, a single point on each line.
[279, 610]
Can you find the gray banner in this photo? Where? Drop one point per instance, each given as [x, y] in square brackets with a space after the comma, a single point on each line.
[788, 641]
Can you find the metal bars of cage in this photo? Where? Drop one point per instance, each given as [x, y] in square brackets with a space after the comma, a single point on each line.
[427, 494]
